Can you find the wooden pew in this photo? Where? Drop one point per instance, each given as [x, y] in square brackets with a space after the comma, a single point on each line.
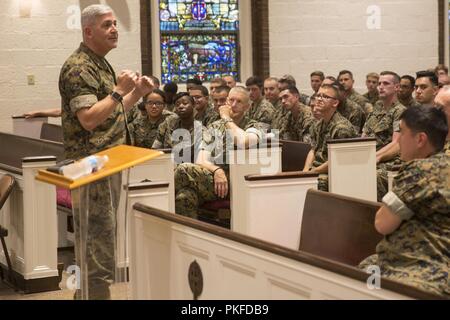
[28, 127]
[352, 168]
[168, 248]
[275, 206]
[52, 132]
[30, 215]
[263, 159]
[293, 155]
[339, 228]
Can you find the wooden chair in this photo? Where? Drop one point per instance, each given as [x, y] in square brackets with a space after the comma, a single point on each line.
[338, 227]
[52, 132]
[7, 183]
[293, 155]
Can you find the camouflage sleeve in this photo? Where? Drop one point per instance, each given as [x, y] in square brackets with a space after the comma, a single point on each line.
[343, 131]
[396, 118]
[258, 128]
[160, 134]
[82, 86]
[414, 187]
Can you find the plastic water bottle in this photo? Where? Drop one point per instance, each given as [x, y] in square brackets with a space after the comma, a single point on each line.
[84, 167]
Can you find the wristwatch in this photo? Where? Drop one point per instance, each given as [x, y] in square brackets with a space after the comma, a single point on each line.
[226, 120]
[116, 96]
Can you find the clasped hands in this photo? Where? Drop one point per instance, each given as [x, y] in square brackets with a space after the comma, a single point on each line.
[127, 81]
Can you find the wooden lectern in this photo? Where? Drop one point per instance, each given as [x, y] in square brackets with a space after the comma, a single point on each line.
[95, 200]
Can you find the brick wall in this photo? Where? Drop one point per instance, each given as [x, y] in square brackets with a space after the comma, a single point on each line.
[38, 45]
[306, 35]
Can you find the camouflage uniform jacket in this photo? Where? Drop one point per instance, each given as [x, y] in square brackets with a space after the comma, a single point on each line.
[382, 123]
[208, 116]
[410, 103]
[218, 139]
[447, 147]
[358, 98]
[372, 98]
[144, 130]
[296, 130]
[262, 111]
[167, 139]
[305, 99]
[418, 252]
[337, 128]
[353, 113]
[85, 79]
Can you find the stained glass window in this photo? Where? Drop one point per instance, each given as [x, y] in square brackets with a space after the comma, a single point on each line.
[199, 38]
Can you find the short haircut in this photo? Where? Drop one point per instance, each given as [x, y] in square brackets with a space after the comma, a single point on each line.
[331, 78]
[254, 81]
[393, 74]
[373, 75]
[410, 78]
[293, 90]
[194, 80]
[202, 89]
[428, 74]
[342, 72]
[429, 120]
[318, 74]
[171, 87]
[182, 94]
[224, 88]
[90, 13]
[159, 92]
[155, 80]
[441, 67]
[241, 89]
[287, 78]
[335, 88]
[271, 79]
[220, 81]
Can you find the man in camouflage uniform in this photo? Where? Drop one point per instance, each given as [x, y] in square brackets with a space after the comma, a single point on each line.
[203, 110]
[345, 78]
[260, 110]
[442, 101]
[94, 106]
[331, 126]
[151, 115]
[207, 180]
[372, 92]
[406, 90]
[415, 216]
[426, 87]
[351, 110]
[272, 93]
[289, 81]
[297, 122]
[383, 124]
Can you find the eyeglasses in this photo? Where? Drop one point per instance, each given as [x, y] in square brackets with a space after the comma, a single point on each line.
[197, 97]
[324, 97]
[158, 104]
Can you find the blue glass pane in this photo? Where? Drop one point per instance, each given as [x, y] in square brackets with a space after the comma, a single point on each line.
[179, 15]
[205, 56]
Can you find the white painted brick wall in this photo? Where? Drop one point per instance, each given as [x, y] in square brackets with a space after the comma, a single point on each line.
[40, 44]
[305, 35]
[331, 35]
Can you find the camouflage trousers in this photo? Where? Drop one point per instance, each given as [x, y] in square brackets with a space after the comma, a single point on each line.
[423, 276]
[95, 207]
[194, 185]
[323, 182]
